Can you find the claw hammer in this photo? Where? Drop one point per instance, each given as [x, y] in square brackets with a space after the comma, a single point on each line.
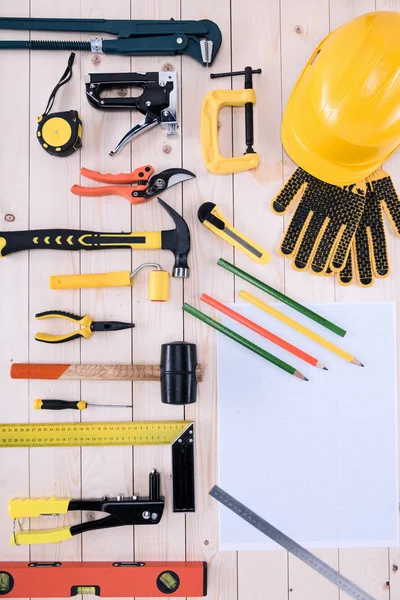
[177, 240]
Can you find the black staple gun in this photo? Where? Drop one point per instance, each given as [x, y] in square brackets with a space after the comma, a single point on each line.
[199, 39]
[158, 102]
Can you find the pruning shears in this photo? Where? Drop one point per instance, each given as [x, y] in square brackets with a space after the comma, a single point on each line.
[139, 186]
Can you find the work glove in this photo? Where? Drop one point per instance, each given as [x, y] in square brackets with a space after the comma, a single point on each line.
[323, 226]
[369, 253]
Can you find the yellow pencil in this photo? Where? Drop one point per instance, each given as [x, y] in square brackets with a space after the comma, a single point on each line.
[298, 327]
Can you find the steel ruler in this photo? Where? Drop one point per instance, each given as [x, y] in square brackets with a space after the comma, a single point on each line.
[290, 545]
[130, 433]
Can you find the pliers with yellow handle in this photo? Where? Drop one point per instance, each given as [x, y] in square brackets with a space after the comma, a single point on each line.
[132, 510]
[88, 326]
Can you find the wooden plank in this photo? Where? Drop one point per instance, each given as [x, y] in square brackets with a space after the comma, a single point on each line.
[258, 571]
[202, 531]
[58, 472]
[14, 199]
[394, 572]
[367, 567]
[303, 26]
[261, 572]
[157, 322]
[106, 471]
[296, 28]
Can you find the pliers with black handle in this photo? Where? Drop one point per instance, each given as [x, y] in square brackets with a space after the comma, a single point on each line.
[88, 326]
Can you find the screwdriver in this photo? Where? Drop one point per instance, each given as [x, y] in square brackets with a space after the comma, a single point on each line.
[71, 404]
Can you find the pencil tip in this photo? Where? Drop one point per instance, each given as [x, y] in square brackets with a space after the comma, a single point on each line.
[357, 362]
[325, 369]
[305, 378]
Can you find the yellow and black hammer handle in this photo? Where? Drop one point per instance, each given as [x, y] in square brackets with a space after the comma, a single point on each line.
[176, 240]
[73, 239]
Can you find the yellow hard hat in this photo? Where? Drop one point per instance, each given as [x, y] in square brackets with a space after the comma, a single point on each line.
[342, 120]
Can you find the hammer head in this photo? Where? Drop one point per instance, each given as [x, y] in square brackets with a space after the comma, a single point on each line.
[177, 240]
[178, 373]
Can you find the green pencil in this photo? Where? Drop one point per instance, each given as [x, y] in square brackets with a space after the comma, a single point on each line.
[242, 341]
[279, 296]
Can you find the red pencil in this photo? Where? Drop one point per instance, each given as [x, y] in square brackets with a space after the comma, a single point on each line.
[261, 331]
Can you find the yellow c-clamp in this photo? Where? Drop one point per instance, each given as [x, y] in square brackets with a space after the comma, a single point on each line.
[212, 104]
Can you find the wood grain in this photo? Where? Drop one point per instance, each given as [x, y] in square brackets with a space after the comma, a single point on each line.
[278, 36]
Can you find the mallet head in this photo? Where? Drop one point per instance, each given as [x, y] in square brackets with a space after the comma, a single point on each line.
[178, 366]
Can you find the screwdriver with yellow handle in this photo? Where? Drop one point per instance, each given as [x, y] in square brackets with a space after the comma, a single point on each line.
[71, 404]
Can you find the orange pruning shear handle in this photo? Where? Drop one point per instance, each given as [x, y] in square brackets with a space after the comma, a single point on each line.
[137, 176]
[142, 183]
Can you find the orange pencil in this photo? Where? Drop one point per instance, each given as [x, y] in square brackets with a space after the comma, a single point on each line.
[261, 331]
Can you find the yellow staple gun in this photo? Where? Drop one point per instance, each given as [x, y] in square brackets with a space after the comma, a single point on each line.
[213, 102]
[210, 215]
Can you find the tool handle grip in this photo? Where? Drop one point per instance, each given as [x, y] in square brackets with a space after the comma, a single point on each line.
[49, 338]
[111, 190]
[96, 280]
[74, 239]
[86, 372]
[105, 190]
[142, 173]
[59, 405]
[42, 536]
[52, 239]
[19, 508]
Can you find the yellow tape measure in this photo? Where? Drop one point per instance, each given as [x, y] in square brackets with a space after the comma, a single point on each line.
[130, 433]
[60, 134]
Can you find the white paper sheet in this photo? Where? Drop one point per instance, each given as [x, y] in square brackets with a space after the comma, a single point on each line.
[317, 459]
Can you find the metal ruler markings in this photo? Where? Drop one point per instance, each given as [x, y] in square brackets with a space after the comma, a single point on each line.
[131, 433]
[290, 545]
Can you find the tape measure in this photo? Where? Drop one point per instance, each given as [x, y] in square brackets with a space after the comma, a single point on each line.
[131, 433]
[290, 545]
[60, 134]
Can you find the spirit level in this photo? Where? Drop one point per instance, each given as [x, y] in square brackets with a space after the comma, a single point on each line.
[116, 580]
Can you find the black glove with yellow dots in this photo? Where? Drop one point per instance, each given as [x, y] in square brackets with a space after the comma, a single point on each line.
[369, 251]
[324, 223]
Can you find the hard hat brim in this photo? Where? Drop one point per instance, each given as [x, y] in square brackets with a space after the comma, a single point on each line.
[313, 163]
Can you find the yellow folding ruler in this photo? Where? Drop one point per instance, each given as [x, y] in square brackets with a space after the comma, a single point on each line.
[178, 434]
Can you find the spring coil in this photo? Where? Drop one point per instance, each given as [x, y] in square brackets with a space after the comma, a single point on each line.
[50, 45]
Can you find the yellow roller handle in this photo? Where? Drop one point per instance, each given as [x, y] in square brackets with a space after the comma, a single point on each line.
[19, 508]
[213, 102]
[42, 536]
[99, 280]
